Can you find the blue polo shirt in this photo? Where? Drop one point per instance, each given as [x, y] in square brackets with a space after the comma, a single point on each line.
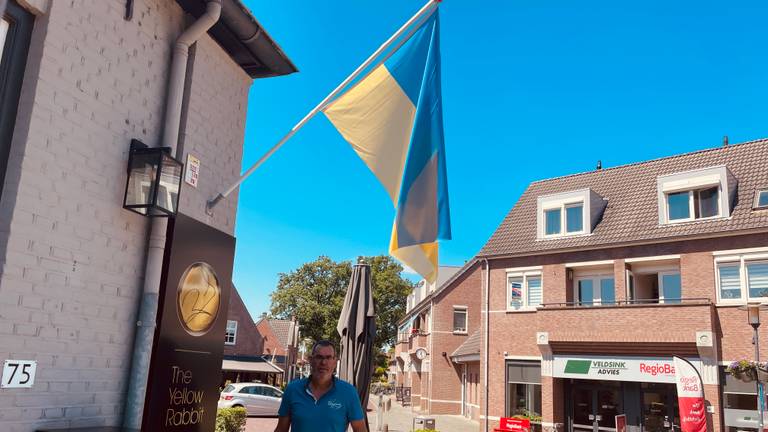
[331, 413]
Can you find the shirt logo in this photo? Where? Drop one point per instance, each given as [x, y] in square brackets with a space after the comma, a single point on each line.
[334, 404]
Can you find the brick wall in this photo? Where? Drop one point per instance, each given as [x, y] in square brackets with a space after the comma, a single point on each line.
[445, 374]
[72, 259]
[248, 341]
[656, 324]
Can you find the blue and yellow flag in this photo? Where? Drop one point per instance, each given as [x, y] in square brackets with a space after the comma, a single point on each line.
[394, 121]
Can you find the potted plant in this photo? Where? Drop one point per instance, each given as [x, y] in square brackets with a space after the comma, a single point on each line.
[748, 371]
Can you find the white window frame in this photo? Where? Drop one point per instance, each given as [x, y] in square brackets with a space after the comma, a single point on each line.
[741, 260]
[597, 292]
[692, 205]
[591, 204]
[660, 276]
[526, 307]
[460, 308]
[563, 206]
[756, 205]
[234, 334]
[693, 181]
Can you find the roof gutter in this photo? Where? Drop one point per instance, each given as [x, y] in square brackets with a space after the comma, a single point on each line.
[623, 244]
[252, 35]
[244, 39]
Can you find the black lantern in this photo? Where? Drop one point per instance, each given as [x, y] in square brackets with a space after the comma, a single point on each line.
[154, 181]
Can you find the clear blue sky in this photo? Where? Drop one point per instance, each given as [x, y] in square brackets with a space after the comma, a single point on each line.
[532, 89]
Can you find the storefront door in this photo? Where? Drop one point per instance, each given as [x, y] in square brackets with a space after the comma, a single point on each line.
[595, 406]
[660, 408]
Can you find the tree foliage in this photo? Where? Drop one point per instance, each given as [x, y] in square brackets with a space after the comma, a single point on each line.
[314, 294]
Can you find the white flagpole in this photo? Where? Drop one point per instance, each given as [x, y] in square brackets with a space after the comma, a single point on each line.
[427, 9]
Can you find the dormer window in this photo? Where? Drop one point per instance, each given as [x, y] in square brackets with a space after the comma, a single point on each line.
[695, 195]
[565, 214]
[761, 199]
[694, 204]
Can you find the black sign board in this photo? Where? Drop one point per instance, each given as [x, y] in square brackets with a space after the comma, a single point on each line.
[185, 371]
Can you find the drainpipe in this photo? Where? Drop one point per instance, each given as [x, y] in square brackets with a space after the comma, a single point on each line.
[145, 326]
[487, 290]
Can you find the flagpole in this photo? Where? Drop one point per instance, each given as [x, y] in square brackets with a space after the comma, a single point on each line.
[427, 8]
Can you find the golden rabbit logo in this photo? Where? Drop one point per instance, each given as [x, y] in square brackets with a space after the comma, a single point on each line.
[198, 298]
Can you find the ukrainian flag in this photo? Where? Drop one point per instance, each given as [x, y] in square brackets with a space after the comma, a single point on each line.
[393, 119]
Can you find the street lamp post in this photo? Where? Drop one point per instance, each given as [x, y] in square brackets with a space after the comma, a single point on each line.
[753, 317]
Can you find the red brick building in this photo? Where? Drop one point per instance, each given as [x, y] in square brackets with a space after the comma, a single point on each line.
[243, 345]
[280, 344]
[435, 350]
[594, 281]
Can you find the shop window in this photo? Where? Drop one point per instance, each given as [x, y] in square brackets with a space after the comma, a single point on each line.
[524, 290]
[231, 334]
[460, 319]
[742, 278]
[15, 33]
[655, 281]
[523, 392]
[594, 290]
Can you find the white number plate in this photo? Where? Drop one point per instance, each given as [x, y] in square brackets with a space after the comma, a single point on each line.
[18, 374]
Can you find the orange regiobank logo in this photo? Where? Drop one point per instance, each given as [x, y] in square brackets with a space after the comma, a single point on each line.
[198, 298]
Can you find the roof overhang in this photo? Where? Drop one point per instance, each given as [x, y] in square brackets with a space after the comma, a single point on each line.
[244, 39]
[248, 366]
[466, 358]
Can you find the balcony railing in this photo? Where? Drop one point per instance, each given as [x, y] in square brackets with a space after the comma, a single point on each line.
[674, 321]
[636, 302]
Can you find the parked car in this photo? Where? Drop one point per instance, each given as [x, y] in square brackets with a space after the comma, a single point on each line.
[257, 399]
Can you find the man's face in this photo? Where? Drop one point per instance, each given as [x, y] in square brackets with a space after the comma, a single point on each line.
[323, 362]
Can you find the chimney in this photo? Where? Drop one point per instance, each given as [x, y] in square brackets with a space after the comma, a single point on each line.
[599, 165]
[725, 141]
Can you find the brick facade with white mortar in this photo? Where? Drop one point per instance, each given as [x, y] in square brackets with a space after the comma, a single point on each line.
[71, 259]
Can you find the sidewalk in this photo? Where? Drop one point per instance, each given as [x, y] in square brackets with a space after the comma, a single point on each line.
[400, 419]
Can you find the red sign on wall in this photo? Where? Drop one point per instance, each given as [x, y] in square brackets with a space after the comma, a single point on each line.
[515, 424]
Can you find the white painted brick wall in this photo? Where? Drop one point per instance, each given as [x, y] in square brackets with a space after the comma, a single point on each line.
[73, 265]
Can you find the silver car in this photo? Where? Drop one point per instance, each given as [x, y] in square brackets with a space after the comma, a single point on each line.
[257, 399]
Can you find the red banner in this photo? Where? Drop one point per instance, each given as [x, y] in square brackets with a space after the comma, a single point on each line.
[690, 397]
[515, 424]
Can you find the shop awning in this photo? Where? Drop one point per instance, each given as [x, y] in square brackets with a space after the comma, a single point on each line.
[247, 366]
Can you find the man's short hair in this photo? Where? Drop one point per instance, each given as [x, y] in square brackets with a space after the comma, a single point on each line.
[323, 343]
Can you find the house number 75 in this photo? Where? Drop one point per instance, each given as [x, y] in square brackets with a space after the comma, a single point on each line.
[18, 374]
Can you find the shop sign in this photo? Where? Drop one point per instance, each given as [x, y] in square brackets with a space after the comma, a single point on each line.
[511, 424]
[638, 369]
[690, 397]
[185, 370]
[621, 423]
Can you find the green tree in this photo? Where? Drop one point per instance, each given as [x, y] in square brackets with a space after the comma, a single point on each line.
[315, 292]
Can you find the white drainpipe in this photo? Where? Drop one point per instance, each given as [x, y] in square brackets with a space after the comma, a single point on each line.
[487, 333]
[145, 326]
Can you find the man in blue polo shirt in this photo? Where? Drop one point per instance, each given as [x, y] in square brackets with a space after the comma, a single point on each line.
[322, 402]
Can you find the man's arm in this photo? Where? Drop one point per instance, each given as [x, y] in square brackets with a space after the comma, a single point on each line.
[284, 423]
[357, 426]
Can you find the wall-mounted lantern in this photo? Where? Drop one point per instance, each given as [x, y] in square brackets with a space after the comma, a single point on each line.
[154, 181]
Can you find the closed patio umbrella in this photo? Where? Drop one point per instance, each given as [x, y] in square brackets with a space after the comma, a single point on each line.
[357, 328]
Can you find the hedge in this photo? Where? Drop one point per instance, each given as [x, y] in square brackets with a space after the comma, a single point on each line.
[231, 419]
